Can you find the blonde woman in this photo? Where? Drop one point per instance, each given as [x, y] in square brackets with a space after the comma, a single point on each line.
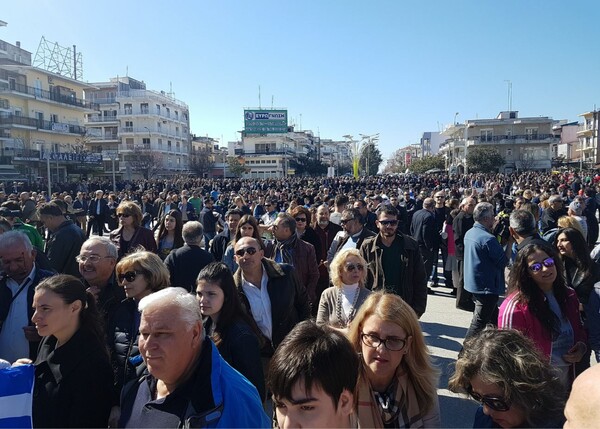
[340, 302]
[397, 382]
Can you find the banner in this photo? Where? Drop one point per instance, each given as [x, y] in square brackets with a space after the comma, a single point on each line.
[16, 396]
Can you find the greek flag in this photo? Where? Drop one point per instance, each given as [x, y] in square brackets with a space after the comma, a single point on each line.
[16, 393]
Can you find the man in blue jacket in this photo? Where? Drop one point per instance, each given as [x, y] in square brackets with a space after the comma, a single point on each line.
[188, 383]
[484, 267]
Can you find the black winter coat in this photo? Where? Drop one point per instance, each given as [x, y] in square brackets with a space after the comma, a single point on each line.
[73, 383]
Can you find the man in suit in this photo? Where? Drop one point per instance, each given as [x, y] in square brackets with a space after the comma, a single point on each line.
[352, 236]
[98, 212]
[423, 229]
[20, 276]
[185, 263]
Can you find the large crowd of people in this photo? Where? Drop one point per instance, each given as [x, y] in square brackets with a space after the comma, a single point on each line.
[196, 302]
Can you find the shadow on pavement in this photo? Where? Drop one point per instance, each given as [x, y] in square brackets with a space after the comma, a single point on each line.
[436, 330]
[457, 412]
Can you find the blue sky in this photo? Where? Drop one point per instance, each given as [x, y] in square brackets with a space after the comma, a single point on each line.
[397, 68]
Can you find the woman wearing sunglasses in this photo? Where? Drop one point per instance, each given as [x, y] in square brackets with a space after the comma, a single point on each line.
[131, 234]
[139, 273]
[304, 230]
[169, 235]
[541, 306]
[516, 387]
[397, 382]
[233, 331]
[340, 302]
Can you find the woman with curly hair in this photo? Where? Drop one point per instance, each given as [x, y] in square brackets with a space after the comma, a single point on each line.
[169, 235]
[397, 382]
[541, 306]
[516, 387]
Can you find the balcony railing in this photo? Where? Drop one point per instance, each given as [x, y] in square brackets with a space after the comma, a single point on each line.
[102, 119]
[4, 104]
[41, 124]
[47, 95]
[506, 139]
[105, 136]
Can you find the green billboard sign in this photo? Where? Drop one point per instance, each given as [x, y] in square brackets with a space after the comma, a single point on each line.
[265, 121]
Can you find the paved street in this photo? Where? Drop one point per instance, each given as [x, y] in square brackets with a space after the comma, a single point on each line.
[445, 327]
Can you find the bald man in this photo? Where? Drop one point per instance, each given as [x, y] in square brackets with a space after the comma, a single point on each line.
[582, 410]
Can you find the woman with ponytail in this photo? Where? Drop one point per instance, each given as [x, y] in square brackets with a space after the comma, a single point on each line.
[73, 375]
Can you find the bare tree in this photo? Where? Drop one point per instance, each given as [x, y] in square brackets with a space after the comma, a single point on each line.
[201, 163]
[145, 161]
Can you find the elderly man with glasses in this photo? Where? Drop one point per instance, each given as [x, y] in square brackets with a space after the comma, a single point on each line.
[394, 262]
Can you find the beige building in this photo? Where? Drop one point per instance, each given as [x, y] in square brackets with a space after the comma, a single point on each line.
[133, 120]
[588, 138]
[524, 143]
[42, 116]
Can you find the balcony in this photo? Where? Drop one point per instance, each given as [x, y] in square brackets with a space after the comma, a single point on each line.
[40, 124]
[506, 139]
[105, 136]
[4, 104]
[47, 95]
[101, 119]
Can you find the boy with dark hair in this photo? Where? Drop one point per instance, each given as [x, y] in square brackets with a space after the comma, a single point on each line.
[314, 366]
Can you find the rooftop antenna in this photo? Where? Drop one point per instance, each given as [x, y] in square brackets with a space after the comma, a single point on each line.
[259, 105]
[509, 88]
[127, 71]
[272, 100]
[300, 124]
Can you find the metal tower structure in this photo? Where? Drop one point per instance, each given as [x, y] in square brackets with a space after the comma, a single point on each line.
[58, 59]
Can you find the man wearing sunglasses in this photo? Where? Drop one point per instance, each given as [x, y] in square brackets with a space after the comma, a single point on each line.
[271, 292]
[394, 262]
[352, 236]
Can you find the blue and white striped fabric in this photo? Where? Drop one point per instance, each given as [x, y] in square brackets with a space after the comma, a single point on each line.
[16, 394]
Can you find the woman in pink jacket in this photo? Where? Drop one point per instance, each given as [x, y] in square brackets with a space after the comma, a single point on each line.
[541, 306]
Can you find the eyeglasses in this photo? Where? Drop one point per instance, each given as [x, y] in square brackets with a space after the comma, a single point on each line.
[388, 222]
[351, 267]
[548, 263]
[300, 219]
[94, 259]
[496, 404]
[123, 215]
[393, 344]
[129, 276]
[439, 196]
[249, 250]
[345, 221]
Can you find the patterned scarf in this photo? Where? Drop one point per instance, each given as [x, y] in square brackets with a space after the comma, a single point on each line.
[398, 407]
[283, 250]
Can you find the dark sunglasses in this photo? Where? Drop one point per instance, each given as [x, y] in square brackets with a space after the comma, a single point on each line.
[548, 263]
[351, 267]
[300, 219]
[123, 215]
[388, 222]
[345, 221]
[248, 250]
[496, 404]
[129, 276]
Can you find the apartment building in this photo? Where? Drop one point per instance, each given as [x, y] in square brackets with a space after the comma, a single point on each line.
[524, 143]
[42, 117]
[588, 138]
[134, 120]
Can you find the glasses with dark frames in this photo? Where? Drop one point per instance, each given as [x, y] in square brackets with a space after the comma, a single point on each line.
[123, 215]
[249, 250]
[130, 276]
[351, 267]
[495, 403]
[388, 222]
[391, 343]
[300, 219]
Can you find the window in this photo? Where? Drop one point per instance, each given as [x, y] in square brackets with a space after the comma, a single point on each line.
[169, 148]
[176, 115]
[128, 127]
[487, 135]
[144, 108]
[158, 109]
[168, 112]
[531, 133]
[127, 109]
[146, 141]
[159, 126]
[53, 118]
[160, 144]
[129, 143]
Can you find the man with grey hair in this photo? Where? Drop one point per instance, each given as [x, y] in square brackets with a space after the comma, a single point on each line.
[523, 229]
[188, 382]
[20, 276]
[484, 267]
[97, 260]
[185, 263]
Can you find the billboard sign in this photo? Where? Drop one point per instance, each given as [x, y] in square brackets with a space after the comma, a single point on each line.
[265, 121]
